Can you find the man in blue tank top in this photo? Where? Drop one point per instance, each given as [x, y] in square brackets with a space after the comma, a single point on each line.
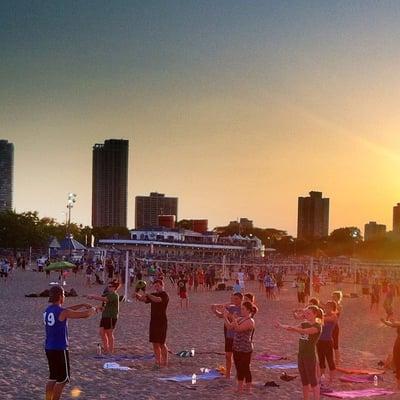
[56, 344]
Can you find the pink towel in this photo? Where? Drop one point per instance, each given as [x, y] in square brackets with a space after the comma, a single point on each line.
[360, 371]
[354, 394]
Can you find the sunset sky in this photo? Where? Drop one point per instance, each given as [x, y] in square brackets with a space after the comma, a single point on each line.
[236, 107]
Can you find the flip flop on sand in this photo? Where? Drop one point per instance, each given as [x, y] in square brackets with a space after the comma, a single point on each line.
[271, 384]
[287, 378]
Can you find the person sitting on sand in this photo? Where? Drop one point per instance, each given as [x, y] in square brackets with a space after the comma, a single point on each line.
[233, 309]
[396, 348]
[109, 316]
[309, 331]
[158, 321]
[56, 346]
[243, 327]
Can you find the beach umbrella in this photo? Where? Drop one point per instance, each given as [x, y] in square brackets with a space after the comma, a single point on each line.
[59, 265]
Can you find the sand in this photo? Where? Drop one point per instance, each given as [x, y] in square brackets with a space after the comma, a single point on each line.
[24, 371]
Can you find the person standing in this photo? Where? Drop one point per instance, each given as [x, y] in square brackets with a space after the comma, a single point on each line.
[375, 295]
[337, 296]
[242, 343]
[4, 269]
[109, 316]
[388, 302]
[396, 347]
[309, 331]
[158, 321]
[182, 290]
[56, 344]
[240, 277]
[325, 342]
[301, 287]
[233, 309]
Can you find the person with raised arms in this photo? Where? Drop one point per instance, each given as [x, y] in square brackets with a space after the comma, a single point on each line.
[56, 345]
[233, 308]
[158, 321]
[396, 347]
[310, 331]
[243, 328]
[109, 316]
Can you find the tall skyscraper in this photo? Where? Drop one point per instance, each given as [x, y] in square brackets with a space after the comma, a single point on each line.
[6, 175]
[148, 208]
[373, 231]
[110, 183]
[396, 219]
[313, 216]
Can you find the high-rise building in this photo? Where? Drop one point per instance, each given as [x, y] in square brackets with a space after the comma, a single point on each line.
[148, 208]
[110, 183]
[313, 216]
[242, 225]
[6, 175]
[373, 231]
[396, 219]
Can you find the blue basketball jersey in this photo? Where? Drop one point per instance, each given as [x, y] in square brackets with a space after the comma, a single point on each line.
[56, 331]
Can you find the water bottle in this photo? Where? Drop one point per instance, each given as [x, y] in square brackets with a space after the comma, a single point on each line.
[194, 379]
[375, 380]
[192, 353]
[98, 349]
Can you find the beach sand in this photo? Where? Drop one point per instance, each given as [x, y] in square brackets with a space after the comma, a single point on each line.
[24, 371]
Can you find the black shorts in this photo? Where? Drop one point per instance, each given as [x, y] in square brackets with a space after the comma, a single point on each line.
[158, 331]
[58, 365]
[5, 274]
[108, 323]
[308, 371]
[228, 345]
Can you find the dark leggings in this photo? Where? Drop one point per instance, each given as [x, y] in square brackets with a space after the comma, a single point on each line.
[335, 337]
[242, 364]
[325, 351]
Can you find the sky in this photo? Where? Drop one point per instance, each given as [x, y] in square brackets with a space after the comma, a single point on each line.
[236, 107]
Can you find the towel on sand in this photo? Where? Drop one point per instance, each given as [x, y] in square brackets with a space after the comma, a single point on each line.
[282, 366]
[213, 374]
[356, 371]
[354, 394]
[269, 357]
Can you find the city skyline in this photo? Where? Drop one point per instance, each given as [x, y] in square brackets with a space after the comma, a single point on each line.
[324, 227]
[237, 109]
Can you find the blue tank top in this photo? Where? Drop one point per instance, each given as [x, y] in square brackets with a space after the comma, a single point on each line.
[56, 331]
[327, 330]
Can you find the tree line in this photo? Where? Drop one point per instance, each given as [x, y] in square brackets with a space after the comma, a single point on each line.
[19, 231]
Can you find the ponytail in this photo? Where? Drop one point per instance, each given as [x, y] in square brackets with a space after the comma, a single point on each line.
[250, 307]
[318, 312]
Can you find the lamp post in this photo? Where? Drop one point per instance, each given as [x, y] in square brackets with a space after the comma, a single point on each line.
[70, 203]
[354, 237]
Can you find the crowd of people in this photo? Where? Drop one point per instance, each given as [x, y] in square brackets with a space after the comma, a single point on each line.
[319, 319]
[318, 328]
